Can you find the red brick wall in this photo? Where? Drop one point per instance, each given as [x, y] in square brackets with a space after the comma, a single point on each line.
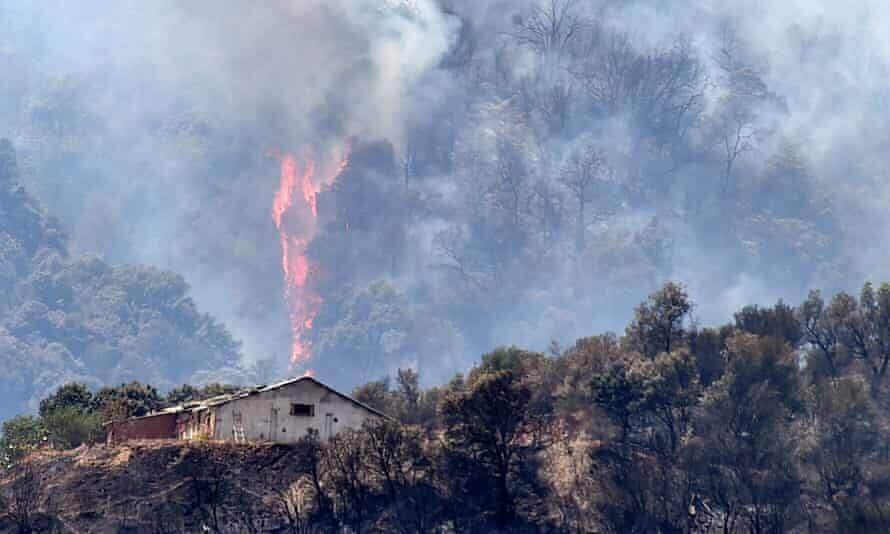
[161, 426]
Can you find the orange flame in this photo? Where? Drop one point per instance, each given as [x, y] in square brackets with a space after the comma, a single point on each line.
[297, 223]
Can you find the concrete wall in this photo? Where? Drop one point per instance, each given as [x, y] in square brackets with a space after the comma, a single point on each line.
[267, 416]
[161, 426]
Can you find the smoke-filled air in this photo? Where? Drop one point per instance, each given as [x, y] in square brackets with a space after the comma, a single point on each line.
[215, 191]
[445, 266]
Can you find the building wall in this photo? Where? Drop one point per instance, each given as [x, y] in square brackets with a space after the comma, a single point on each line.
[267, 416]
[161, 426]
[195, 425]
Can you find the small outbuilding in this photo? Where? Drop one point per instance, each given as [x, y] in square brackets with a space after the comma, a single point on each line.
[160, 425]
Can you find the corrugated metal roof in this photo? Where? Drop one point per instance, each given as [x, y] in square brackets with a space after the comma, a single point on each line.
[197, 406]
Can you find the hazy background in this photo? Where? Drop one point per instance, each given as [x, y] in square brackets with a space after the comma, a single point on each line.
[737, 147]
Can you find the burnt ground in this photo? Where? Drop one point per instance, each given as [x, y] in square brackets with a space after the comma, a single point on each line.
[150, 486]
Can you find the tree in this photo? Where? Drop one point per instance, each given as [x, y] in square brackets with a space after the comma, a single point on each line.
[407, 381]
[669, 393]
[735, 120]
[644, 483]
[658, 324]
[182, 394]
[375, 394]
[68, 418]
[188, 393]
[865, 328]
[127, 400]
[549, 29]
[491, 429]
[71, 395]
[22, 435]
[352, 487]
[618, 393]
[511, 186]
[708, 346]
[367, 332]
[737, 135]
[585, 176]
[409, 394]
[819, 331]
[395, 457]
[779, 322]
[848, 330]
[661, 90]
[69, 427]
[842, 454]
[637, 492]
[513, 359]
[309, 457]
[579, 365]
[209, 486]
[744, 463]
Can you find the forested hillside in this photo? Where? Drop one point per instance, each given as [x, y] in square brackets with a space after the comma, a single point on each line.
[774, 423]
[67, 317]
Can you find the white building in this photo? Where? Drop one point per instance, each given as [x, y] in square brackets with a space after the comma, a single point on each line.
[281, 413]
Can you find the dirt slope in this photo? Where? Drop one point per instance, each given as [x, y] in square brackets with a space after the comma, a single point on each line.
[150, 486]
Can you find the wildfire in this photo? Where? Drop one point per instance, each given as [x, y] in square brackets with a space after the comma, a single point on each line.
[295, 212]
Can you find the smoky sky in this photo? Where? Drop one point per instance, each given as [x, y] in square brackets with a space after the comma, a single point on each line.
[279, 75]
[172, 110]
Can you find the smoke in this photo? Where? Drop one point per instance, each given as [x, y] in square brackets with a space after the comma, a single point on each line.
[145, 126]
[173, 108]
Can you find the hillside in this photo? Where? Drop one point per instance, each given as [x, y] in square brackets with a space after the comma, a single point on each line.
[148, 487]
[774, 423]
[76, 318]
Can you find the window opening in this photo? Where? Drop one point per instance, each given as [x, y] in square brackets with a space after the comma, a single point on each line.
[302, 410]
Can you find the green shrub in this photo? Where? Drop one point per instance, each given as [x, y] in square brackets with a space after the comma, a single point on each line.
[73, 394]
[21, 436]
[70, 427]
